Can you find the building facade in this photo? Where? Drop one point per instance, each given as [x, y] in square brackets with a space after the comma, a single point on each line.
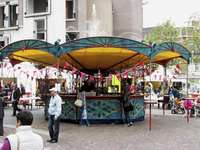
[66, 20]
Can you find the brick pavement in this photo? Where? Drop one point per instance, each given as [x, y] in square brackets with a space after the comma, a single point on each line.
[169, 132]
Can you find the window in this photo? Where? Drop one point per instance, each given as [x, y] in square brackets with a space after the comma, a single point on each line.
[70, 36]
[70, 9]
[40, 29]
[13, 18]
[2, 17]
[36, 7]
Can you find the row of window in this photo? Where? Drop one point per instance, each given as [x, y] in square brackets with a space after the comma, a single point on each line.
[9, 11]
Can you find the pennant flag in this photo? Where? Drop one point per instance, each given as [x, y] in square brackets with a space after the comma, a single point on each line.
[56, 66]
[172, 73]
[5, 65]
[141, 64]
[48, 69]
[66, 65]
[60, 61]
[109, 79]
[148, 73]
[100, 79]
[82, 75]
[27, 75]
[160, 77]
[167, 76]
[14, 69]
[19, 68]
[34, 73]
[126, 73]
[137, 77]
[153, 70]
[20, 72]
[91, 78]
[116, 72]
[26, 72]
[133, 69]
[32, 78]
[9, 67]
[55, 73]
[176, 72]
[73, 70]
[174, 77]
[118, 77]
[67, 71]
[177, 66]
[145, 69]
[155, 77]
[41, 71]
[36, 79]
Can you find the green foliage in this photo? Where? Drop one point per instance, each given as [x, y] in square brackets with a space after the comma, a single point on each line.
[192, 40]
[166, 32]
[193, 80]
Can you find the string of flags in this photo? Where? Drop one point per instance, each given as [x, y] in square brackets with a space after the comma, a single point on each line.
[74, 70]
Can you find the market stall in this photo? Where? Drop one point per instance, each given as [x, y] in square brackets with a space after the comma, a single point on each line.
[100, 58]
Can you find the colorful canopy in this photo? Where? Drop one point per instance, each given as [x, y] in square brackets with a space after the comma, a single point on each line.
[94, 53]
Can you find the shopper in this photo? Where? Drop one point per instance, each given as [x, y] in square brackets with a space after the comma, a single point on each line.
[81, 96]
[127, 106]
[15, 95]
[1, 116]
[24, 139]
[54, 115]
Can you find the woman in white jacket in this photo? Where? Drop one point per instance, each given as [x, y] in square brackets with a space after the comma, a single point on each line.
[24, 139]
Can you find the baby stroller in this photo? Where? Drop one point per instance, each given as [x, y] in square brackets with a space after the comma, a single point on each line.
[178, 107]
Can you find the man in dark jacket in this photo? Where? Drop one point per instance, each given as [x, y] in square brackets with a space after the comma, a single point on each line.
[175, 92]
[15, 95]
[1, 116]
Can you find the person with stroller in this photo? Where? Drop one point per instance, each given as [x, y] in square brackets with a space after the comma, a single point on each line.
[176, 94]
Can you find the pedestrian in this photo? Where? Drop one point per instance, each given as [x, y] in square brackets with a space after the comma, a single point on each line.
[54, 115]
[1, 116]
[24, 139]
[5, 89]
[15, 95]
[176, 94]
[23, 93]
[126, 105]
[82, 96]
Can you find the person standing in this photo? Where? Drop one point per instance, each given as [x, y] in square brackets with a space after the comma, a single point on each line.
[126, 102]
[1, 116]
[5, 89]
[176, 94]
[15, 95]
[89, 86]
[81, 96]
[24, 139]
[23, 93]
[54, 115]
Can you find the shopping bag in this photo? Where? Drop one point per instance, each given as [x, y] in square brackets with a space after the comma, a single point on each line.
[84, 114]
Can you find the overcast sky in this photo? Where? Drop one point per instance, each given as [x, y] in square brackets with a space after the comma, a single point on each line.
[179, 11]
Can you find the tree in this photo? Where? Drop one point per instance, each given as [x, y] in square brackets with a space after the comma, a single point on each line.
[192, 37]
[166, 32]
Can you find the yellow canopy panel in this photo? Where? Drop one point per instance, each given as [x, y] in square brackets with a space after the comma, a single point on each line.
[102, 57]
[34, 56]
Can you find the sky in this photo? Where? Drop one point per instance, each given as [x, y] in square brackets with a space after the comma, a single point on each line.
[157, 11]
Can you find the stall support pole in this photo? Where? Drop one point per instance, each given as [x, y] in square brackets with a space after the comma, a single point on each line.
[1, 78]
[121, 94]
[76, 92]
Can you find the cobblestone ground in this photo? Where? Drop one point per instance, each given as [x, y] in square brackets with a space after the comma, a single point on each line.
[169, 132]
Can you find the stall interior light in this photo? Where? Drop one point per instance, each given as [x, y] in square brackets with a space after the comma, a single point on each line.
[99, 73]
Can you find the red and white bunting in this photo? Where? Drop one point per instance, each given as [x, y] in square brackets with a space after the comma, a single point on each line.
[82, 75]
[133, 69]
[145, 69]
[100, 79]
[73, 70]
[118, 77]
[109, 79]
[141, 64]
[91, 78]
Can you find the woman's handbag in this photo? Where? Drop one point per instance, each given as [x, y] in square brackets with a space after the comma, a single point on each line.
[130, 106]
[78, 102]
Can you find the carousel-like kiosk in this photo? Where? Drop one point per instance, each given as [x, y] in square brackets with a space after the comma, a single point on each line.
[110, 62]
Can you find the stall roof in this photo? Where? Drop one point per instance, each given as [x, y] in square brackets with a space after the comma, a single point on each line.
[94, 53]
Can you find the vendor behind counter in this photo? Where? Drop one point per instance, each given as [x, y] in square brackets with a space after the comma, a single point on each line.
[89, 86]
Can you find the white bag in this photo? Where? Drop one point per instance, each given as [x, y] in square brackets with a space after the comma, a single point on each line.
[78, 102]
